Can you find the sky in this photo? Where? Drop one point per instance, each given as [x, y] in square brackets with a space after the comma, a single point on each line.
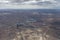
[31, 4]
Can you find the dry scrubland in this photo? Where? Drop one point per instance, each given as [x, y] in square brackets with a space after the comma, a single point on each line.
[25, 34]
[33, 25]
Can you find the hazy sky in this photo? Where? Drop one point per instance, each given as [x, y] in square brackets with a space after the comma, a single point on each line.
[41, 4]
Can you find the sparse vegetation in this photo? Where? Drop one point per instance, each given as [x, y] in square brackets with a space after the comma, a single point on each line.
[32, 25]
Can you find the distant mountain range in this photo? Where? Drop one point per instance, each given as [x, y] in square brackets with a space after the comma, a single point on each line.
[32, 10]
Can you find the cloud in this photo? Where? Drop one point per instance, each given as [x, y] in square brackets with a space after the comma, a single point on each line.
[4, 1]
[42, 4]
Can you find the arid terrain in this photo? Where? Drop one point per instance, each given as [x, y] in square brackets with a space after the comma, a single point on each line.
[32, 25]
